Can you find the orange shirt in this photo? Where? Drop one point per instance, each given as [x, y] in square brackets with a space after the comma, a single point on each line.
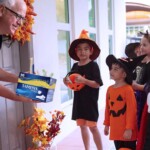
[120, 112]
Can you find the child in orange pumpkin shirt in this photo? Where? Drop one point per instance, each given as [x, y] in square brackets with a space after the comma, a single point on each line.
[120, 111]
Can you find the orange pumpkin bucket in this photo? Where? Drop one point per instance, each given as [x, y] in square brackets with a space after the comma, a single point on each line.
[75, 86]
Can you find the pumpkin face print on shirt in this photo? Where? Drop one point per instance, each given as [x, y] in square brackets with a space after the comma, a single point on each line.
[117, 106]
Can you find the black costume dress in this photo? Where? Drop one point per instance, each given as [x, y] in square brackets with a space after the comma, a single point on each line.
[143, 79]
[85, 104]
[141, 95]
[147, 125]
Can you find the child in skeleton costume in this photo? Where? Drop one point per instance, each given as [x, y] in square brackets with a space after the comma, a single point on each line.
[85, 103]
[121, 109]
[133, 50]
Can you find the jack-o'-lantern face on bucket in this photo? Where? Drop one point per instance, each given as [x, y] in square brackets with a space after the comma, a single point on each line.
[75, 86]
[117, 107]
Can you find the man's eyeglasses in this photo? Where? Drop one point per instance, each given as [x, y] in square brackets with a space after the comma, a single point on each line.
[18, 16]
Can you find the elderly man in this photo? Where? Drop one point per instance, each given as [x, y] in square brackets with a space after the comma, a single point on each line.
[12, 13]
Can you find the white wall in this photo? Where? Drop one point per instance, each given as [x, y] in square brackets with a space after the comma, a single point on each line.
[80, 17]
[45, 45]
[120, 27]
[103, 44]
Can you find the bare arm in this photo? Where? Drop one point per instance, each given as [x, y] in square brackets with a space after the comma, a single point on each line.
[85, 81]
[7, 93]
[137, 86]
[8, 77]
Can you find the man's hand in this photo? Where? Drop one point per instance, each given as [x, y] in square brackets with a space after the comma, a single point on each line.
[25, 99]
[9, 94]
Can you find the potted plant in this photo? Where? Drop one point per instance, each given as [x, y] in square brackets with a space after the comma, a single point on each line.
[41, 129]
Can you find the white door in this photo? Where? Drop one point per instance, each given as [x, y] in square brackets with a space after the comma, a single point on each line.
[11, 113]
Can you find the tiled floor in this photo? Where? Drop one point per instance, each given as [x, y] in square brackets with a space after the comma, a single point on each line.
[74, 141]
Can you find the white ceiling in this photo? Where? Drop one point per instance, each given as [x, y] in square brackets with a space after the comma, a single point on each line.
[147, 2]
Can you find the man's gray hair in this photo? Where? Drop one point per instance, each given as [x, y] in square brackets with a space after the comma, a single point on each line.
[8, 3]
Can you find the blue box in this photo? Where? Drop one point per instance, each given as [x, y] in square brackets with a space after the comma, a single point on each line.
[36, 87]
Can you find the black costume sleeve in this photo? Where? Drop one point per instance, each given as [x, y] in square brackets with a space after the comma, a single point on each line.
[97, 74]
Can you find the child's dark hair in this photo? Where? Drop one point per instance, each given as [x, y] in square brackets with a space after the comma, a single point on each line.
[130, 49]
[128, 78]
[115, 63]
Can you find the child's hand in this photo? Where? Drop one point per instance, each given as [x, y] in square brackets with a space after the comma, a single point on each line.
[127, 134]
[134, 85]
[79, 79]
[106, 130]
[67, 80]
[137, 86]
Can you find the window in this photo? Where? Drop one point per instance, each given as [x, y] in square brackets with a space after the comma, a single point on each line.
[92, 20]
[63, 39]
[62, 11]
[92, 36]
[91, 6]
[110, 27]
[133, 30]
[110, 44]
[110, 14]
